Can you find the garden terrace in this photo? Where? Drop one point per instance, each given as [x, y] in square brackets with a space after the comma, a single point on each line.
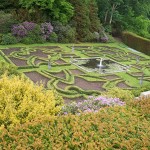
[70, 80]
[37, 61]
[123, 85]
[37, 78]
[10, 50]
[18, 62]
[60, 61]
[89, 85]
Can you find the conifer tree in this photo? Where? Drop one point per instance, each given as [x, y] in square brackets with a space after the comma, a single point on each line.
[85, 19]
[93, 15]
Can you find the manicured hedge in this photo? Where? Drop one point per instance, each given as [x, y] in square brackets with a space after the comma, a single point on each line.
[136, 42]
[111, 128]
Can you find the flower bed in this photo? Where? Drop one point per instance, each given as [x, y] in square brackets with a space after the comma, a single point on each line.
[92, 104]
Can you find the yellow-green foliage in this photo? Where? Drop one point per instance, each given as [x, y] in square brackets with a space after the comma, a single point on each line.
[9, 69]
[111, 128]
[21, 101]
[143, 105]
[123, 95]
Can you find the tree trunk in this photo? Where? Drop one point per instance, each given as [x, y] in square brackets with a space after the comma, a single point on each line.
[106, 14]
[112, 12]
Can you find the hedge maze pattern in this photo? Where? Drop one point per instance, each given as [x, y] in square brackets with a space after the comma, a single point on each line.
[69, 80]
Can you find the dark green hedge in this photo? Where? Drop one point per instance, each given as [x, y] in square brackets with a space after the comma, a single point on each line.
[134, 41]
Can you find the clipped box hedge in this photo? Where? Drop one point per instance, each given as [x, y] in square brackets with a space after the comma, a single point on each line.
[136, 42]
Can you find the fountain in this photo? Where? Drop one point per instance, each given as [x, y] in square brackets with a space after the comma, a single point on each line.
[100, 65]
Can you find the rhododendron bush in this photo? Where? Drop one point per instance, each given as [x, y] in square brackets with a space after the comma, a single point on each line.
[26, 28]
[21, 30]
[22, 101]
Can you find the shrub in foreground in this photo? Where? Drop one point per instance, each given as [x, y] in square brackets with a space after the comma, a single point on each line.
[22, 101]
[143, 106]
[9, 69]
[111, 128]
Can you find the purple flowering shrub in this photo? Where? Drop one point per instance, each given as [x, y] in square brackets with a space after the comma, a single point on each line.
[92, 104]
[29, 32]
[46, 29]
[19, 31]
[23, 29]
[29, 26]
[104, 39]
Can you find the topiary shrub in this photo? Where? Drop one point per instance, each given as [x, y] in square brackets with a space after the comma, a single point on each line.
[8, 39]
[22, 101]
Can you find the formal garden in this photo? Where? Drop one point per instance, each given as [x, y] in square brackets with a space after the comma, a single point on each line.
[74, 70]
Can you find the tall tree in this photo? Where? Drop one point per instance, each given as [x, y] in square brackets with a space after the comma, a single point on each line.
[107, 9]
[125, 15]
[93, 15]
[85, 19]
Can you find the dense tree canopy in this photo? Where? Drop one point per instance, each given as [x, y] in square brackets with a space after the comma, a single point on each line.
[56, 9]
[130, 15]
[115, 15]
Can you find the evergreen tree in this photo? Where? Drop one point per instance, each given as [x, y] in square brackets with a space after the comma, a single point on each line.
[85, 19]
[93, 15]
